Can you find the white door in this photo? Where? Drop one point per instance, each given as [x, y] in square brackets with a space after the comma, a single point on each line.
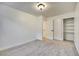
[50, 29]
[69, 29]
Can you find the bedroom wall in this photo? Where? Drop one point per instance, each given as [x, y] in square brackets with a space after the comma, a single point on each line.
[58, 25]
[17, 27]
[77, 27]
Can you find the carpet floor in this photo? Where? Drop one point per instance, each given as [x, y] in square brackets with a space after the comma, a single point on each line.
[41, 48]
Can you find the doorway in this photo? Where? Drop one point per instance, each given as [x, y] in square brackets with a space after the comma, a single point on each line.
[69, 29]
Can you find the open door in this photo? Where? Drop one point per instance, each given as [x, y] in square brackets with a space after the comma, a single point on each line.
[69, 29]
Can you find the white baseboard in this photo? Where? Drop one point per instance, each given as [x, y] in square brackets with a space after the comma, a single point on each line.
[12, 46]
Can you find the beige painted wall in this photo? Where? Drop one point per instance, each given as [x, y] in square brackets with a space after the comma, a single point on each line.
[45, 28]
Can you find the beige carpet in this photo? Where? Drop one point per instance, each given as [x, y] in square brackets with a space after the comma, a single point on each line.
[42, 48]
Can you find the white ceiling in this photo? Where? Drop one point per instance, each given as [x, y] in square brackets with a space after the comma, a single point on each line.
[53, 8]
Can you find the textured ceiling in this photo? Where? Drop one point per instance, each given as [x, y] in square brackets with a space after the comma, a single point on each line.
[53, 8]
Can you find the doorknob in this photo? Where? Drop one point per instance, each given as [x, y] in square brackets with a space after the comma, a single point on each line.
[52, 30]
